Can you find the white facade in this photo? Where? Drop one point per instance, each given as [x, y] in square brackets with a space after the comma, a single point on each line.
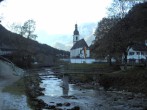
[136, 56]
[79, 53]
[75, 38]
[88, 61]
[5, 52]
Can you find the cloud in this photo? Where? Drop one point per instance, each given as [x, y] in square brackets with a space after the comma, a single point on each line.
[62, 46]
[90, 39]
[86, 31]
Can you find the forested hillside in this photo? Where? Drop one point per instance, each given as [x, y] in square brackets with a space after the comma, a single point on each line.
[43, 53]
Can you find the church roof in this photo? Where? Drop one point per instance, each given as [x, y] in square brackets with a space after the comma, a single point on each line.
[80, 44]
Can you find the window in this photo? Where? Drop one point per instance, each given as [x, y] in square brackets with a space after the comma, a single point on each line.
[138, 53]
[131, 53]
[142, 53]
[80, 51]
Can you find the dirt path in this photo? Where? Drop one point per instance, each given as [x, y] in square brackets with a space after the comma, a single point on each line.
[7, 74]
[7, 77]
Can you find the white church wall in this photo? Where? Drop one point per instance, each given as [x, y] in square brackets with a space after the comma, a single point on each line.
[82, 60]
[75, 38]
[79, 52]
[87, 53]
[75, 52]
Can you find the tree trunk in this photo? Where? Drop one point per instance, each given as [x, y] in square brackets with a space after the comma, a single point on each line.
[110, 60]
[125, 60]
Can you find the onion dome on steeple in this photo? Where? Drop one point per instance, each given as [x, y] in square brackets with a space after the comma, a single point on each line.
[76, 32]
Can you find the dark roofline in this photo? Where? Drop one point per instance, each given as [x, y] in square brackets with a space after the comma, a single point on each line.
[79, 44]
[139, 47]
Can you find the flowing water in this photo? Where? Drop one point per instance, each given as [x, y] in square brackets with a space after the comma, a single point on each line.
[60, 91]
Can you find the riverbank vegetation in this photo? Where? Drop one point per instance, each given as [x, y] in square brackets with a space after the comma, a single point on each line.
[133, 80]
[109, 77]
[124, 27]
[89, 68]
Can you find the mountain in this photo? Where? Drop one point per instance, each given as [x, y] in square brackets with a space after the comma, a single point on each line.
[44, 54]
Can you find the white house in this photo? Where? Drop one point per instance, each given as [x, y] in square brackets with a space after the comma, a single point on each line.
[6, 51]
[137, 53]
[80, 52]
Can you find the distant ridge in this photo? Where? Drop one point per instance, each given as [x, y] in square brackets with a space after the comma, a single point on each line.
[12, 40]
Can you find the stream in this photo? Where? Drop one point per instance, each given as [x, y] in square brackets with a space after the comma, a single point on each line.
[66, 96]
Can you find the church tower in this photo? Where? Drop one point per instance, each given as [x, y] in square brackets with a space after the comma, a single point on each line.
[75, 34]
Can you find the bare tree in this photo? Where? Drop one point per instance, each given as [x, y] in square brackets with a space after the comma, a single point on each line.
[26, 30]
[119, 8]
[139, 1]
[17, 28]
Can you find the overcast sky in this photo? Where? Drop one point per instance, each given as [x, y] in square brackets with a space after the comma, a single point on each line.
[55, 19]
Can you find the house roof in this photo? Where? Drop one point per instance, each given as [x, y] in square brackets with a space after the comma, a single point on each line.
[80, 44]
[139, 47]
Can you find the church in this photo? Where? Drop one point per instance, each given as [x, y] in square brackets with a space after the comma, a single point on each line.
[80, 52]
[80, 48]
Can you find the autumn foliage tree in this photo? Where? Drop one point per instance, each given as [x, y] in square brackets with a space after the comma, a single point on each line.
[103, 41]
[130, 29]
[114, 40]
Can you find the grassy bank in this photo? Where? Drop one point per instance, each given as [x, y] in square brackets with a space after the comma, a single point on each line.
[110, 77]
[134, 80]
[85, 66]
[17, 88]
[89, 68]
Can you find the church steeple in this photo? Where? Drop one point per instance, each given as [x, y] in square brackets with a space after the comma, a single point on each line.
[75, 34]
